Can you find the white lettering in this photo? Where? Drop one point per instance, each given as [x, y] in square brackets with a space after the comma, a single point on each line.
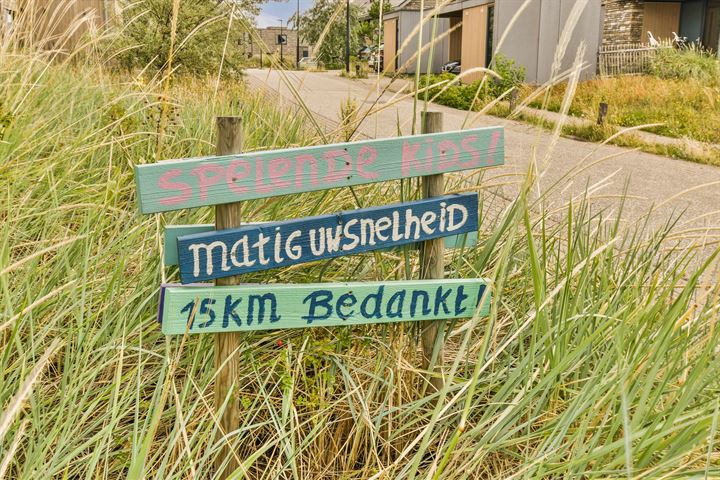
[260, 245]
[382, 225]
[396, 235]
[195, 249]
[317, 250]
[442, 215]
[333, 243]
[411, 220]
[246, 262]
[452, 224]
[348, 234]
[293, 251]
[427, 219]
[367, 229]
[278, 248]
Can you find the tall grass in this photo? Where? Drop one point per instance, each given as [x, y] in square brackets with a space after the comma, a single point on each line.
[599, 358]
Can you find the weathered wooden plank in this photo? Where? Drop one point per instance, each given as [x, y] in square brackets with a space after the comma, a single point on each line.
[218, 254]
[274, 306]
[177, 184]
[172, 232]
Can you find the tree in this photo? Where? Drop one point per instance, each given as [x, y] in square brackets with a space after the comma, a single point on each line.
[328, 17]
[369, 23]
[200, 38]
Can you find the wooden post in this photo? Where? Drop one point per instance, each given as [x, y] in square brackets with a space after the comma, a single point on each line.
[432, 263]
[513, 99]
[229, 140]
[602, 113]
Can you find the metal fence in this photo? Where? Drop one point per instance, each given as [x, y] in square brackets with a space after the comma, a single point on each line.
[627, 59]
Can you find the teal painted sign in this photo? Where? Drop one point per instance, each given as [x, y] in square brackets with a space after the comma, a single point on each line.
[178, 184]
[223, 253]
[243, 308]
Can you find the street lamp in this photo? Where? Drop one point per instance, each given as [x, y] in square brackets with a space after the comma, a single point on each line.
[297, 36]
[347, 37]
[280, 41]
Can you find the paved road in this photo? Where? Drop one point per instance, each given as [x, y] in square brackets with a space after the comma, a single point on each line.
[671, 185]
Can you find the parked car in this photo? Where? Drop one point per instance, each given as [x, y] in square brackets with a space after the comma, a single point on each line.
[451, 67]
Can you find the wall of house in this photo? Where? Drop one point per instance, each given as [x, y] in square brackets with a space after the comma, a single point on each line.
[691, 20]
[62, 24]
[407, 23]
[531, 37]
[268, 42]
[623, 22]
[474, 41]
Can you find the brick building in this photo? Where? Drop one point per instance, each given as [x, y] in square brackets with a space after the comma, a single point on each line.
[629, 21]
[269, 43]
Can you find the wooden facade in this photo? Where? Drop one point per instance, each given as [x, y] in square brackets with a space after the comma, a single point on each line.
[474, 40]
[662, 19]
[58, 24]
[390, 44]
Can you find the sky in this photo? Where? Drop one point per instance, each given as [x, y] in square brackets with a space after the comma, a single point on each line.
[272, 12]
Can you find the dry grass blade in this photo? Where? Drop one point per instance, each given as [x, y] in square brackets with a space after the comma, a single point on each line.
[16, 402]
[5, 464]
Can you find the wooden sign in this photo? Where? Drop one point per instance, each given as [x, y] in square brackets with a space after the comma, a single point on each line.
[245, 308]
[173, 232]
[177, 184]
[217, 254]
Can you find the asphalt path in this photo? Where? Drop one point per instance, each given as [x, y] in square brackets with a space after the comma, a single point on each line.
[655, 188]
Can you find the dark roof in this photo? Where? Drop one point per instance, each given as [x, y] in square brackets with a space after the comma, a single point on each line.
[415, 5]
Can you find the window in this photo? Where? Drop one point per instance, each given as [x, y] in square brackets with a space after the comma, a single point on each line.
[490, 32]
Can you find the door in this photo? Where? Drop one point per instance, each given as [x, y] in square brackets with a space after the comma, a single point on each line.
[390, 45]
[662, 19]
[474, 40]
[711, 36]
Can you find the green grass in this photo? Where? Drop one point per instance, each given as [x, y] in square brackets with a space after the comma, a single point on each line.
[598, 359]
[684, 108]
[592, 132]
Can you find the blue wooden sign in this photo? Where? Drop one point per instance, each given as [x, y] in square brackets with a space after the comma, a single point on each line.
[216, 254]
[177, 184]
[173, 232]
[210, 309]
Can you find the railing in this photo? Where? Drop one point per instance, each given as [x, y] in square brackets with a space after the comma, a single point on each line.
[627, 59]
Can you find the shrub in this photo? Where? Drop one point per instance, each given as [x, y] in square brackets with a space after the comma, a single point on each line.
[461, 96]
[512, 75]
[685, 64]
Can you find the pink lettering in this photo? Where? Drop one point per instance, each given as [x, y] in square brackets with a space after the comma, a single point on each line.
[409, 162]
[300, 161]
[445, 146]
[277, 168]
[205, 181]
[165, 183]
[231, 176]
[331, 156]
[366, 156]
[260, 186]
[474, 154]
[429, 155]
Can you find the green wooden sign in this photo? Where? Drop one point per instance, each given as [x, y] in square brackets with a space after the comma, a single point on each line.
[210, 309]
[187, 183]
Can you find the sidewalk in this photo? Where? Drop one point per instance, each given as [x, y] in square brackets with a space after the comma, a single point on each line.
[671, 186]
